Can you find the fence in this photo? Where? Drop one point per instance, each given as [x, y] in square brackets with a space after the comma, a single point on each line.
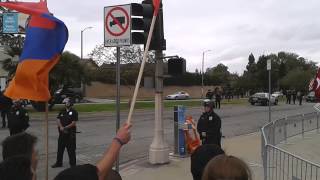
[280, 164]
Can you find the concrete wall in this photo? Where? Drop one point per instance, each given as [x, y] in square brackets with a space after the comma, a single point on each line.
[100, 90]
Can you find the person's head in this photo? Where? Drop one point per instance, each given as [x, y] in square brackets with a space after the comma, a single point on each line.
[16, 168]
[20, 144]
[82, 172]
[201, 156]
[85, 172]
[208, 105]
[226, 167]
[68, 102]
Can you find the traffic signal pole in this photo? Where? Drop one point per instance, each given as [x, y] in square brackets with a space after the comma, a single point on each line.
[142, 14]
[159, 149]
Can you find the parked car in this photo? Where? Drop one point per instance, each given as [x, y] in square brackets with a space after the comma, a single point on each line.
[277, 94]
[74, 93]
[311, 97]
[263, 99]
[178, 95]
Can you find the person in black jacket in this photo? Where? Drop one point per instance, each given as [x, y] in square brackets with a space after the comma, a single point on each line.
[5, 105]
[209, 125]
[18, 118]
[66, 121]
[209, 94]
[218, 100]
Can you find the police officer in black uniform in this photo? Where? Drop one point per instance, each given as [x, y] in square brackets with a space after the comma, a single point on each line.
[67, 134]
[18, 118]
[5, 105]
[209, 125]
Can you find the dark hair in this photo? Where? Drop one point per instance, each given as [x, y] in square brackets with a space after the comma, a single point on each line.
[19, 144]
[16, 168]
[201, 156]
[226, 167]
[80, 172]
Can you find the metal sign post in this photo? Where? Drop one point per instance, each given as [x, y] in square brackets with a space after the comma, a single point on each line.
[117, 33]
[118, 99]
[269, 69]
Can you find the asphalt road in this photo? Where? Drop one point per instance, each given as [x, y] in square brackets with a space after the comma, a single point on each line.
[98, 129]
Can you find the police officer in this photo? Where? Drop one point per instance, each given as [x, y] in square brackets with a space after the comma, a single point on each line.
[18, 118]
[5, 105]
[66, 121]
[209, 125]
[209, 94]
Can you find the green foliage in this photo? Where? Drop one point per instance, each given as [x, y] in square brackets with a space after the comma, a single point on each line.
[218, 75]
[69, 71]
[285, 67]
[297, 79]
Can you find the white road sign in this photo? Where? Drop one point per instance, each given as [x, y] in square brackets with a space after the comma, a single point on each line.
[117, 26]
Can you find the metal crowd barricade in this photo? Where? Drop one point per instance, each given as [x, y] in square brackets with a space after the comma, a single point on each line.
[281, 164]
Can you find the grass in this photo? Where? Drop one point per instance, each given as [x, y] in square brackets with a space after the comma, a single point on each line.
[140, 105]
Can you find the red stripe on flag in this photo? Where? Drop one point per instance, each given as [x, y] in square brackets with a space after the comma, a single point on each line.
[156, 5]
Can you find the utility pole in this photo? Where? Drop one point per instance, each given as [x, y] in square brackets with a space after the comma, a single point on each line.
[83, 84]
[202, 73]
[159, 149]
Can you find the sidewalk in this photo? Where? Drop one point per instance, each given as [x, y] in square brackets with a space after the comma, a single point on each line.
[307, 146]
[246, 147]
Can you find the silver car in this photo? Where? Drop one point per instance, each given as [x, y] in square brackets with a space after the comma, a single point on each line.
[178, 95]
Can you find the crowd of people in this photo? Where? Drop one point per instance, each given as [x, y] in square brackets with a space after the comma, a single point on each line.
[20, 156]
[293, 96]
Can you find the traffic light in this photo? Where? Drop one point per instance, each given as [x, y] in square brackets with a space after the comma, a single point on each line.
[176, 66]
[140, 25]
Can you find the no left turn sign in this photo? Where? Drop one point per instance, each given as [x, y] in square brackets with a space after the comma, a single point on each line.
[117, 25]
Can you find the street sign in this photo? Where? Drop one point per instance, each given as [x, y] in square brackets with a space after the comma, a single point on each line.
[269, 64]
[117, 26]
[14, 23]
[10, 23]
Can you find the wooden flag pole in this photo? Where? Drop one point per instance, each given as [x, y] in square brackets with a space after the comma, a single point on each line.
[134, 98]
[47, 141]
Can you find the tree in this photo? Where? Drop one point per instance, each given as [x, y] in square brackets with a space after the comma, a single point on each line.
[255, 77]
[218, 75]
[10, 64]
[297, 79]
[69, 71]
[128, 55]
[251, 67]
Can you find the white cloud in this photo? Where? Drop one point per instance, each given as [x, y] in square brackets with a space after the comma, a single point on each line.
[231, 28]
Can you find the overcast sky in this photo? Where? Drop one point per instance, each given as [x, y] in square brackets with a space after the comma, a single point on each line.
[232, 29]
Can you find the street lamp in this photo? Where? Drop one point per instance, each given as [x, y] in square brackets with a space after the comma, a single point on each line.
[203, 53]
[82, 40]
[83, 84]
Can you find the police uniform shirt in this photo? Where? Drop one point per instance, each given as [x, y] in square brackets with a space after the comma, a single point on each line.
[18, 118]
[67, 116]
[209, 124]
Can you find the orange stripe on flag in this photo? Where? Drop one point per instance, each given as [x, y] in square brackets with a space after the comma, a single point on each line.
[28, 72]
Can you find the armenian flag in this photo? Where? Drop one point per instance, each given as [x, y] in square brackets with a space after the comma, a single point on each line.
[46, 37]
